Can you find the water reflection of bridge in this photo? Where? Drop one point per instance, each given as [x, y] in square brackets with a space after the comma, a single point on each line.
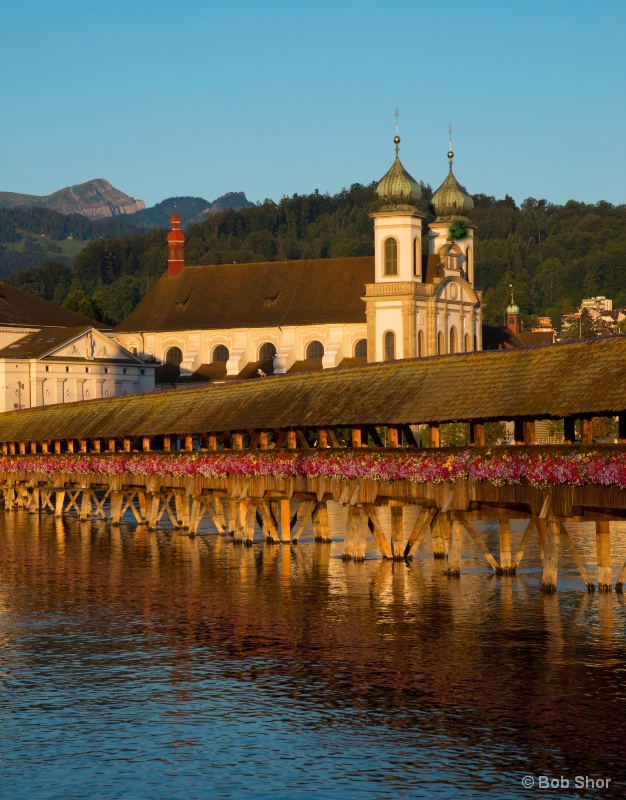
[363, 409]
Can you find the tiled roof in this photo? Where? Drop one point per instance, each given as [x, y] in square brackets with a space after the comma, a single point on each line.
[307, 292]
[542, 382]
[18, 308]
[41, 342]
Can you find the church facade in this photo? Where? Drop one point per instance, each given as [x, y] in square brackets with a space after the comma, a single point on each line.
[246, 320]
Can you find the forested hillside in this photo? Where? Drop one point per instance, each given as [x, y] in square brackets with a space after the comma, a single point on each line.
[552, 254]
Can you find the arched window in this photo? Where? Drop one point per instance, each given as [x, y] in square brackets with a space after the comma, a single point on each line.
[391, 256]
[416, 257]
[420, 344]
[390, 346]
[314, 349]
[467, 342]
[440, 343]
[267, 351]
[174, 356]
[220, 354]
[360, 349]
[453, 339]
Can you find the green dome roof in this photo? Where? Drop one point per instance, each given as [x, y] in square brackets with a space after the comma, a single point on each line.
[398, 190]
[451, 199]
[512, 309]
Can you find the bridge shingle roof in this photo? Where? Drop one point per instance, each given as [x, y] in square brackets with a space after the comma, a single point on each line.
[580, 378]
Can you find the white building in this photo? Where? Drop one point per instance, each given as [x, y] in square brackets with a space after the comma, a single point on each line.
[239, 320]
[51, 355]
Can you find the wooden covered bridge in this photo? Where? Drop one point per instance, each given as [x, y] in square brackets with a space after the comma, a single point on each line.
[268, 455]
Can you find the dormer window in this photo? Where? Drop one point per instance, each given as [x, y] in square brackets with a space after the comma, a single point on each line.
[391, 256]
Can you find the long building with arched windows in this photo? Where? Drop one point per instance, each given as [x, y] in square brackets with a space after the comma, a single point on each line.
[214, 322]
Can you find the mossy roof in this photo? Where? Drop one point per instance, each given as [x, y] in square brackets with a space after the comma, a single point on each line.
[580, 378]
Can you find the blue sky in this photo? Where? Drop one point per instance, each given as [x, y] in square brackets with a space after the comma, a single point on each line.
[273, 98]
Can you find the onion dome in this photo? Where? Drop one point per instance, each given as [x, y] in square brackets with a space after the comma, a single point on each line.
[451, 200]
[398, 191]
[512, 309]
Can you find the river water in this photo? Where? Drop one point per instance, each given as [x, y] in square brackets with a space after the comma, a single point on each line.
[136, 664]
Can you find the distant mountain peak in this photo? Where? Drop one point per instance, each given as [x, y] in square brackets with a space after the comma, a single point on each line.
[94, 199]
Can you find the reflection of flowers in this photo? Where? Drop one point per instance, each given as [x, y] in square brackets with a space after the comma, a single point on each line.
[500, 467]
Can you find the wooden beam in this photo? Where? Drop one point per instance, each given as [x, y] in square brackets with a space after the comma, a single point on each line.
[301, 437]
[22, 448]
[375, 436]
[422, 524]
[397, 532]
[236, 440]
[603, 551]
[505, 548]
[409, 436]
[33, 448]
[569, 430]
[280, 437]
[212, 442]
[127, 444]
[435, 435]
[82, 445]
[356, 437]
[292, 440]
[167, 444]
[97, 445]
[146, 444]
[394, 436]
[377, 532]
[57, 446]
[578, 560]
[586, 430]
[529, 431]
[254, 437]
[477, 434]
[481, 545]
[188, 443]
[454, 548]
[70, 445]
[322, 438]
[550, 571]
[523, 544]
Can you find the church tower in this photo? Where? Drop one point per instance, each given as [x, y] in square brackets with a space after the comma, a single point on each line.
[175, 247]
[451, 203]
[390, 301]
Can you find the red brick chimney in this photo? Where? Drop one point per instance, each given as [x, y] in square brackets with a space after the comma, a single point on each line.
[175, 247]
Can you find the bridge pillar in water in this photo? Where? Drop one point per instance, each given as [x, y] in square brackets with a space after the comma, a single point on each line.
[603, 549]
[321, 525]
[438, 532]
[454, 548]
[505, 567]
[550, 558]
[397, 533]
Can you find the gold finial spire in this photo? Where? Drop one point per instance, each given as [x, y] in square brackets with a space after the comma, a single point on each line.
[450, 153]
[396, 138]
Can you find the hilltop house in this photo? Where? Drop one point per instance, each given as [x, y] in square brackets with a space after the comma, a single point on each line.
[223, 321]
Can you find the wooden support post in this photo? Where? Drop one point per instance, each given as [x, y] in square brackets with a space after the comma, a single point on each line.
[85, 505]
[435, 435]
[576, 558]
[394, 436]
[111, 447]
[116, 507]
[292, 440]
[45, 447]
[550, 572]
[454, 550]
[143, 506]
[397, 533]
[195, 516]
[82, 445]
[422, 523]
[153, 503]
[12, 448]
[529, 431]
[212, 442]
[220, 516]
[356, 437]
[232, 515]
[284, 521]
[22, 448]
[305, 511]
[5, 448]
[477, 434]
[603, 550]
[437, 536]
[127, 444]
[188, 443]
[242, 513]
[378, 533]
[586, 430]
[322, 438]
[70, 445]
[35, 500]
[59, 501]
[350, 536]
[146, 444]
[167, 444]
[541, 535]
[321, 526]
[481, 545]
[237, 440]
[182, 509]
[569, 430]
[621, 427]
[360, 538]
[518, 430]
[505, 567]
[33, 448]
[248, 533]
[97, 445]
[57, 446]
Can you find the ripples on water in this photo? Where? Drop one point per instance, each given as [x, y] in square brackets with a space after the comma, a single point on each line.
[154, 665]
